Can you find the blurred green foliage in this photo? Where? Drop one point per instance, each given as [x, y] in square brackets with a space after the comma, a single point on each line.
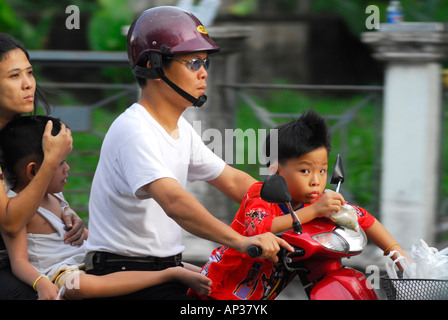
[105, 28]
[105, 33]
[31, 21]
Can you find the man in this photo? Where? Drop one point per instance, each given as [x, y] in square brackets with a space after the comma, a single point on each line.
[138, 202]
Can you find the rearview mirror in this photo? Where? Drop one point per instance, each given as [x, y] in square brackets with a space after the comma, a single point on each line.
[338, 173]
[275, 190]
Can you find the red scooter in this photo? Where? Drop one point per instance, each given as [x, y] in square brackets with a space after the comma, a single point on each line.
[319, 247]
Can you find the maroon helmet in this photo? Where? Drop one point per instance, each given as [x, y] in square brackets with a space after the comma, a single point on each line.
[167, 30]
[161, 31]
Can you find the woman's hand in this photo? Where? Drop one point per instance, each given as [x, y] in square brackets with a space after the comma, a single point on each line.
[56, 148]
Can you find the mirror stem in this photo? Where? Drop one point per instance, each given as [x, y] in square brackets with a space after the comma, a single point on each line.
[338, 186]
[296, 225]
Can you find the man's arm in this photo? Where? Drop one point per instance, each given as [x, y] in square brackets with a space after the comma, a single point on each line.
[186, 210]
[233, 183]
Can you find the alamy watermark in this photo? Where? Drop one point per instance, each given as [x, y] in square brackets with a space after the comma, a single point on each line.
[73, 21]
[240, 147]
[373, 20]
[373, 277]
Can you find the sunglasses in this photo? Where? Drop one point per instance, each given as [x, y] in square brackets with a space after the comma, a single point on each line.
[195, 64]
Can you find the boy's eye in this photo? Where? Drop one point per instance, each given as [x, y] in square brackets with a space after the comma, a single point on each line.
[305, 171]
[323, 171]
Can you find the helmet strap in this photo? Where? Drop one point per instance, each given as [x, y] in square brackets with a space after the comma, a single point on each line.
[196, 102]
[155, 60]
[156, 72]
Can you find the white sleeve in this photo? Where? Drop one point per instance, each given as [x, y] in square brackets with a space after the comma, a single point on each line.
[204, 164]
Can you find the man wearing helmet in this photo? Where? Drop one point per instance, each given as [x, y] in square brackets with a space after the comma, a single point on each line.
[138, 203]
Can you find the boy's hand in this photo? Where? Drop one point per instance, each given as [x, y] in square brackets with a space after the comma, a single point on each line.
[329, 203]
[46, 290]
[56, 148]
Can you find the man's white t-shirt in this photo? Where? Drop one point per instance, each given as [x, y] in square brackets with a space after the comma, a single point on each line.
[137, 151]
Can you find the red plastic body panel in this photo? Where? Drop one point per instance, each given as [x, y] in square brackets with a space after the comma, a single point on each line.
[343, 284]
[338, 282]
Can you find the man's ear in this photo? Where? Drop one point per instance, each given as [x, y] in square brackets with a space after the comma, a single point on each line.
[31, 170]
[148, 65]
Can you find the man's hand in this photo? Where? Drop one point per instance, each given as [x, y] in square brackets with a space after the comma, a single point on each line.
[269, 243]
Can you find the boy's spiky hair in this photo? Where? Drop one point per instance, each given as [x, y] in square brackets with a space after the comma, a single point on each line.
[20, 140]
[298, 137]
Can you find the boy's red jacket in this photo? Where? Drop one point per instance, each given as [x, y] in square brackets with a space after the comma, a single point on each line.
[236, 275]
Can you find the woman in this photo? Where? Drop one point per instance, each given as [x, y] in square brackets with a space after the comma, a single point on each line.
[17, 96]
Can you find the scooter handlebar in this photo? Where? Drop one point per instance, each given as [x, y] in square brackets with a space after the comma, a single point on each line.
[254, 251]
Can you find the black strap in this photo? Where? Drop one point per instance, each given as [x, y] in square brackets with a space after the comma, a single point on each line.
[196, 102]
[107, 257]
[2, 244]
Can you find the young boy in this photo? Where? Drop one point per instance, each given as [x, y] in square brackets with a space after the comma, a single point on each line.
[303, 148]
[39, 253]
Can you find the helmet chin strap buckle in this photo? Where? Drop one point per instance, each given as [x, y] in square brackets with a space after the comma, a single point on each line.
[200, 101]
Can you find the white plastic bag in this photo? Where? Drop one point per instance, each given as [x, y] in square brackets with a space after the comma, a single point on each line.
[347, 216]
[430, 263]
[407, 266]
[427, 263]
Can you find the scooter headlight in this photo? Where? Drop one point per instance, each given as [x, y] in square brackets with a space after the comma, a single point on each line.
[332, 241]
[356, 240]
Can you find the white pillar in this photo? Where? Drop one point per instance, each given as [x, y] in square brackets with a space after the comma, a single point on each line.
[410, 167]
[411, 127]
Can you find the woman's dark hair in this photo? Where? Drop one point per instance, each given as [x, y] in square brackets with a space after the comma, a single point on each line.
[21, 139]
[9, 43]
[298, 137]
